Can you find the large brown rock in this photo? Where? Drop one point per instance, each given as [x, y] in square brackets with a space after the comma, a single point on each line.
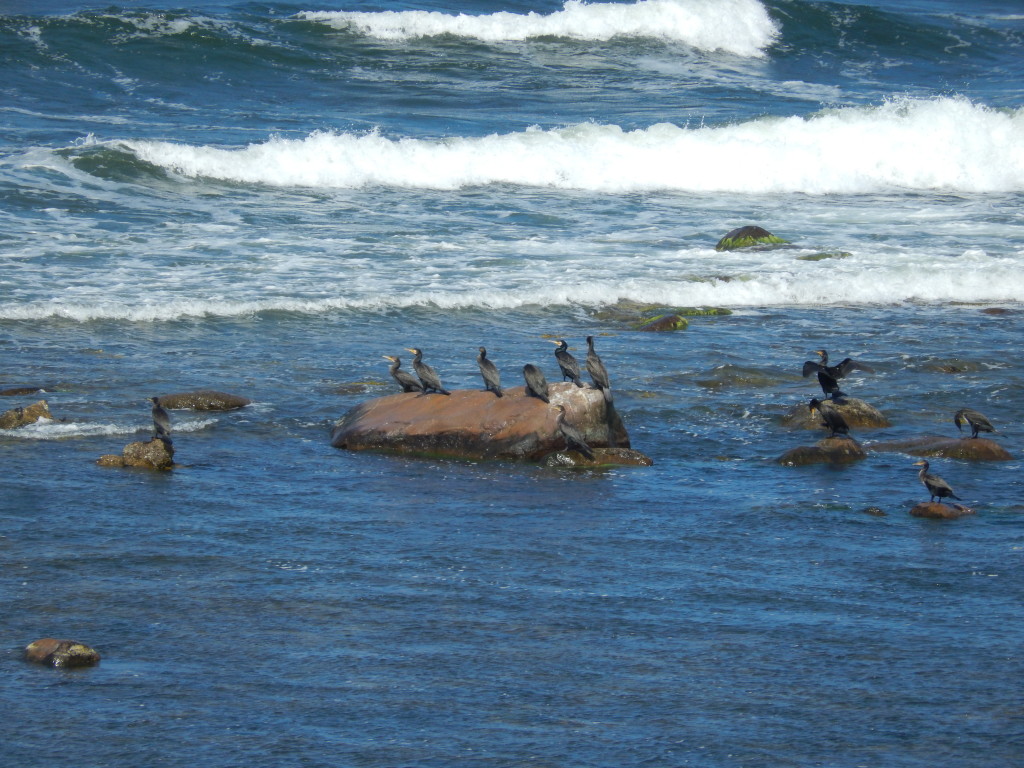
[61, 653]
[475, 424]
[204, 400]
[20, 417]
[967, 448]
[938, 511]
[857, 414]
[831, 450]
[152, 454]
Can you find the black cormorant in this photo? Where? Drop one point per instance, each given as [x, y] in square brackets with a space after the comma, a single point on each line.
[977, 421]
[936, 485]
[161, 421]
[536, 384]
[829, 386]
[837, 371]
[404, 378]
[573, 438]
[428, 376]
[597, 371]
[492, 379]
[831, 418]
[566, 362]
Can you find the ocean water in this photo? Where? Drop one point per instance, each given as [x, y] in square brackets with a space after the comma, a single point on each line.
[265, 198]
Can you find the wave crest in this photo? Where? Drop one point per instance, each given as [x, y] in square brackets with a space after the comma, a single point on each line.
[742, 27]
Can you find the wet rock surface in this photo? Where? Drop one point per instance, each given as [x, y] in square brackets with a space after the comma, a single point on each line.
[475, 424]
[204, 400]
[61, 653]
[20, 417]
[966, 448]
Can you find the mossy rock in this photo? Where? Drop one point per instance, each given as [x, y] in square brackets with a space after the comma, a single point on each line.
[744, 237]
[702, 311]
[964, 448]
[663, 323]
[61, 653]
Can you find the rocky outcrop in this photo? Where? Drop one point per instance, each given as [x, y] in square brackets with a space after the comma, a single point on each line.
[475, 424]
[20, 391]
[831, 450]
[938, 511]
[745, 237]
[856, 413]
[152, 454]
[204, 400]
[61, 653]
[966, 448]
[20, 417]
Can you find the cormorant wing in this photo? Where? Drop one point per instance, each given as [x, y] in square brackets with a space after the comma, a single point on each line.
[811, 367]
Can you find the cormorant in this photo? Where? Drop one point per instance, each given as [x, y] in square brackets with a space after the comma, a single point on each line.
[404, 378]
[835, 371]
[536, 384]
[829, 386]
[161, 421]
[428, 376]
[492, 379]
[566, 362]
[573, 438]
[831, 418]
[936, 485]
[977, 421]
[597, 371]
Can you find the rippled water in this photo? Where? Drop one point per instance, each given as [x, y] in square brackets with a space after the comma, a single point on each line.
[264, 200]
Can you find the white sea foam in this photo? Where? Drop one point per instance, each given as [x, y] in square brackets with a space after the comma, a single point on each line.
[947, 144]
[53, 429]
[742, 27]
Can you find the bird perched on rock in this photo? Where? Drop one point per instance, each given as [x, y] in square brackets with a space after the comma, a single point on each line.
[597, 371]
[830, 386]
[404, 378]
[838, 371]
[566, 362]
[831, 417]
[936, 486]
[489, 371]
[161, 421]
[428, 376]
[536, 384]
[978, 421]
[573, 437]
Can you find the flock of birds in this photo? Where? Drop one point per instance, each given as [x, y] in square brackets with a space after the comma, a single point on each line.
[427, 381]
[829, 377]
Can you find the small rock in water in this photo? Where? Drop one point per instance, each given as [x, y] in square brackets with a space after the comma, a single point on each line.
[664, 323]
[204, 400]
[831, 450]
[938, 511]
[61, 653]
[20, 417]
[744, 237]
[152, 454]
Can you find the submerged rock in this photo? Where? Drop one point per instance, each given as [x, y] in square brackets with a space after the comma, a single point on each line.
[19, 391]
[603, 457]
[152, 454]
[204, 400]
[855, 412]
[939, 511]
[20, 417]
[475, 424]
[61, 653]
[744, 237]
[831, 450]
[967, 448]
[664, 323]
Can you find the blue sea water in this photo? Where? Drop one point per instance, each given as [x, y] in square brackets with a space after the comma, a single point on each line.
[264, 198]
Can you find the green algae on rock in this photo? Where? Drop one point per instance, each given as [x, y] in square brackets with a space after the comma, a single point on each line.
[745, 237]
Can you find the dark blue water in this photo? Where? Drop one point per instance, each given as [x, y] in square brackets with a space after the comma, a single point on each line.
[261, 200]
